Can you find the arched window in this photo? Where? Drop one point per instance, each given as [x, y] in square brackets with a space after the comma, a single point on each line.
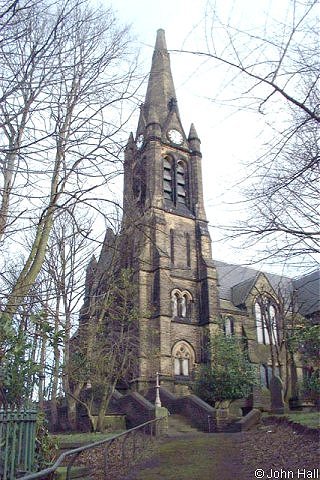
[175, 304]
[168, 179]
[228, 326]
[183, 359]
[181, 303]
[266, 321]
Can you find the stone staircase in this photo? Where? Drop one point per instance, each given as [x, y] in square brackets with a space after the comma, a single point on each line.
[180, 425]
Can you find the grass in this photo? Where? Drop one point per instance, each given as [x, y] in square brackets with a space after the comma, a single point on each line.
[309, 419]
[88, 437]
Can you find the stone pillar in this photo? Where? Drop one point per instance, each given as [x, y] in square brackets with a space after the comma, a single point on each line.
[162, 425]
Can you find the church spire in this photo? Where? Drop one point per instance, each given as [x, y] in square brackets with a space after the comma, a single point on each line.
[161, 95]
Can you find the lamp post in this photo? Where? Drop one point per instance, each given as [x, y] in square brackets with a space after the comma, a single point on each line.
[158, 401]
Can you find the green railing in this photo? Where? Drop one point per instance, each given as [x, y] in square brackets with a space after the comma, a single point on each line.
[17, 442]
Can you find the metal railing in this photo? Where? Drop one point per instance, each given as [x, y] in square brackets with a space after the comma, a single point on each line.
[131, 445]
[17, 442]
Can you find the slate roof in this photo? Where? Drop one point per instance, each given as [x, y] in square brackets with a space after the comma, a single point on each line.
[236, 281]
[308, 291]
[240, 291]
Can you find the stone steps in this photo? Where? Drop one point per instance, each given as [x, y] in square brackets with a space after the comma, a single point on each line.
[180, 425]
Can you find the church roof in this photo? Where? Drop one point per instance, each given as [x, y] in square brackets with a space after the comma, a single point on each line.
[236, 281]
[308, 292]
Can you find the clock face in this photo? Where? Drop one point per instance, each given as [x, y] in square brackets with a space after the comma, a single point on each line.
[139, 141]
[175, 136]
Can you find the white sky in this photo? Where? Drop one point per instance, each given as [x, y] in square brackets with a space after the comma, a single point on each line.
[228, 136]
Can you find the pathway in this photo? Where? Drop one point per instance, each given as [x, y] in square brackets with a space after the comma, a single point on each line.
[194, 456]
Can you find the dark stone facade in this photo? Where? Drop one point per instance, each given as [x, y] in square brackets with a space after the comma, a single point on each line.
[182, 294]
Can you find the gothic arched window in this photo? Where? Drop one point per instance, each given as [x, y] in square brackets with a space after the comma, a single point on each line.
[266, 320]
[175, 304]
[181, 303]
[183, 359]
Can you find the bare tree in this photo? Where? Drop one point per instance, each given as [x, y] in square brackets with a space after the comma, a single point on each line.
[69, 249]
[277, 320]
[278, 71]
[60, 116]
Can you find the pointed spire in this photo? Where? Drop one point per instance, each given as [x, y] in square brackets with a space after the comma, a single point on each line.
[160, 92]
[130, 141]
[193, 139]
[142, 121]
[193, 133]
[93, 262]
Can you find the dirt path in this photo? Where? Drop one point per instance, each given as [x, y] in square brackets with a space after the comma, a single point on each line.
[273, 450]
[196, 457]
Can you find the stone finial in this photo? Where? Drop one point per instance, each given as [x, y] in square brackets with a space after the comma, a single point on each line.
[193, 139]
[130, 141]
[193, 133]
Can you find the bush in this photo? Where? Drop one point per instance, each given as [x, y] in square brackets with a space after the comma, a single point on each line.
[228, 375]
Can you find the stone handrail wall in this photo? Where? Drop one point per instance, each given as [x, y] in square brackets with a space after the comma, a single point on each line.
[198, 412]
[137, 409]
[248, 421]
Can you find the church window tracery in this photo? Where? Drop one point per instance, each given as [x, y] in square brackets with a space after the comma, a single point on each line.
[183, 359]
[181, 303]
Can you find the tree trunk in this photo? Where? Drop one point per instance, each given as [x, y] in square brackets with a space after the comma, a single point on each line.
[72, 413]
[104, 403]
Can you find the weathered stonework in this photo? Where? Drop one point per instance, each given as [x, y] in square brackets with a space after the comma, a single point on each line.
[183, 296]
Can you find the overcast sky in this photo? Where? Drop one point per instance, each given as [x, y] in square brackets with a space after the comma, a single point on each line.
[228, 136]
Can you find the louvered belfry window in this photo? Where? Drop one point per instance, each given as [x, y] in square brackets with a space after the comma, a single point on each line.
[181, 183]
[168, 189]
[175, 181]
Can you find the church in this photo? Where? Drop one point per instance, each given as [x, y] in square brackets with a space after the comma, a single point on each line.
[183, 295]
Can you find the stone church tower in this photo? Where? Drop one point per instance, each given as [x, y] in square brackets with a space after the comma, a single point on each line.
[166, 243]
[165, 236]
